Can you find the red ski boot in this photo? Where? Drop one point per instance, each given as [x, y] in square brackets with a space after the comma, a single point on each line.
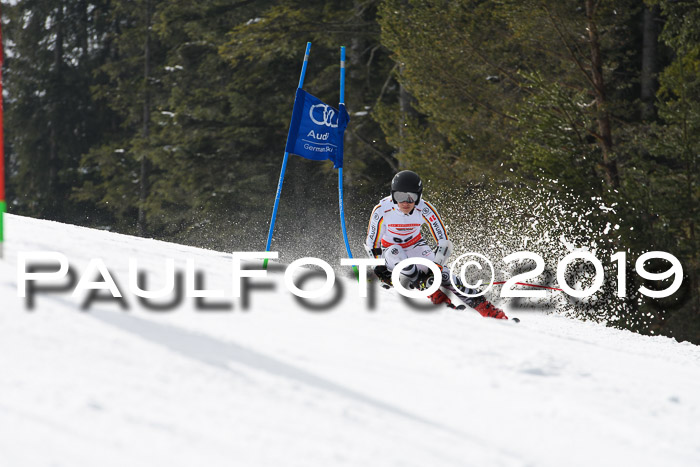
[487, 310]
[439, 297]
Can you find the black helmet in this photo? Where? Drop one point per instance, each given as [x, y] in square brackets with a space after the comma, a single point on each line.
[407, 182]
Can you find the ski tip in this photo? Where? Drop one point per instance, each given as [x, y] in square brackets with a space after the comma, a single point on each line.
[515, 320]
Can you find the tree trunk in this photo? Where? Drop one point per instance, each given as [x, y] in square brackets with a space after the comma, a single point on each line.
[649, 61]
[353, 71]
[146, 130]
[84, 31]
[54, 160]
[605, 141]
[406, 111]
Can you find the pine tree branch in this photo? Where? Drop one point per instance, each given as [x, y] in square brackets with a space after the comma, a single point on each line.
[478, 102]
[568, 47]
[388, 159]
[386, 83]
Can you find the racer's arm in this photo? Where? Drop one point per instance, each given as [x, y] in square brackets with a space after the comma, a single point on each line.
[434, 221]
[375, 230]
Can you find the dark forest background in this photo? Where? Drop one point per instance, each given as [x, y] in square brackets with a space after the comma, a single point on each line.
[534, 123]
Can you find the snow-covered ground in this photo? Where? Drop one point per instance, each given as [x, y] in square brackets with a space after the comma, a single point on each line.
[357, 382]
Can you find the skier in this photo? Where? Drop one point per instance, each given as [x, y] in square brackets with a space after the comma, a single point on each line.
[394, 233]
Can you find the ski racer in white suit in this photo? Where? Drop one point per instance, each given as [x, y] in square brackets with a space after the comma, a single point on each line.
[394, 233]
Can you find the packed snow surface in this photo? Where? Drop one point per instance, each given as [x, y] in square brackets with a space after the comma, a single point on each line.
[269, 381]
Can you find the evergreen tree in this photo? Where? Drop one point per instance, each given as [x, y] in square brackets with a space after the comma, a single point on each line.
[558, 90]
[117, 172]
[51, 119]
[672, 193]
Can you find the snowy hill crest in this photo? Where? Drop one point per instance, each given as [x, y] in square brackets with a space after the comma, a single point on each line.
[266, 380]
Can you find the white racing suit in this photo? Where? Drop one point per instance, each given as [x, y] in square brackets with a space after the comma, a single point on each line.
[396, 236]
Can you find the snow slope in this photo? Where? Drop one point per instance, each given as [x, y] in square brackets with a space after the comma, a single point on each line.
[359, 382]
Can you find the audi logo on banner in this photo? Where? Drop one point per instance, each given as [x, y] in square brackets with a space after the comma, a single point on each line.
[324, 117]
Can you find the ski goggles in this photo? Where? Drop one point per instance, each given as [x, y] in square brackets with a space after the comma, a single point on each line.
[405, 197]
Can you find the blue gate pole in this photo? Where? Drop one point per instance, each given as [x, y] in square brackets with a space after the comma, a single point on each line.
[340, 169]
[284, 161]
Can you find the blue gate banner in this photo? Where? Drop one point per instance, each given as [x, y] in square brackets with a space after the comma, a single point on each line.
[316, 131]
